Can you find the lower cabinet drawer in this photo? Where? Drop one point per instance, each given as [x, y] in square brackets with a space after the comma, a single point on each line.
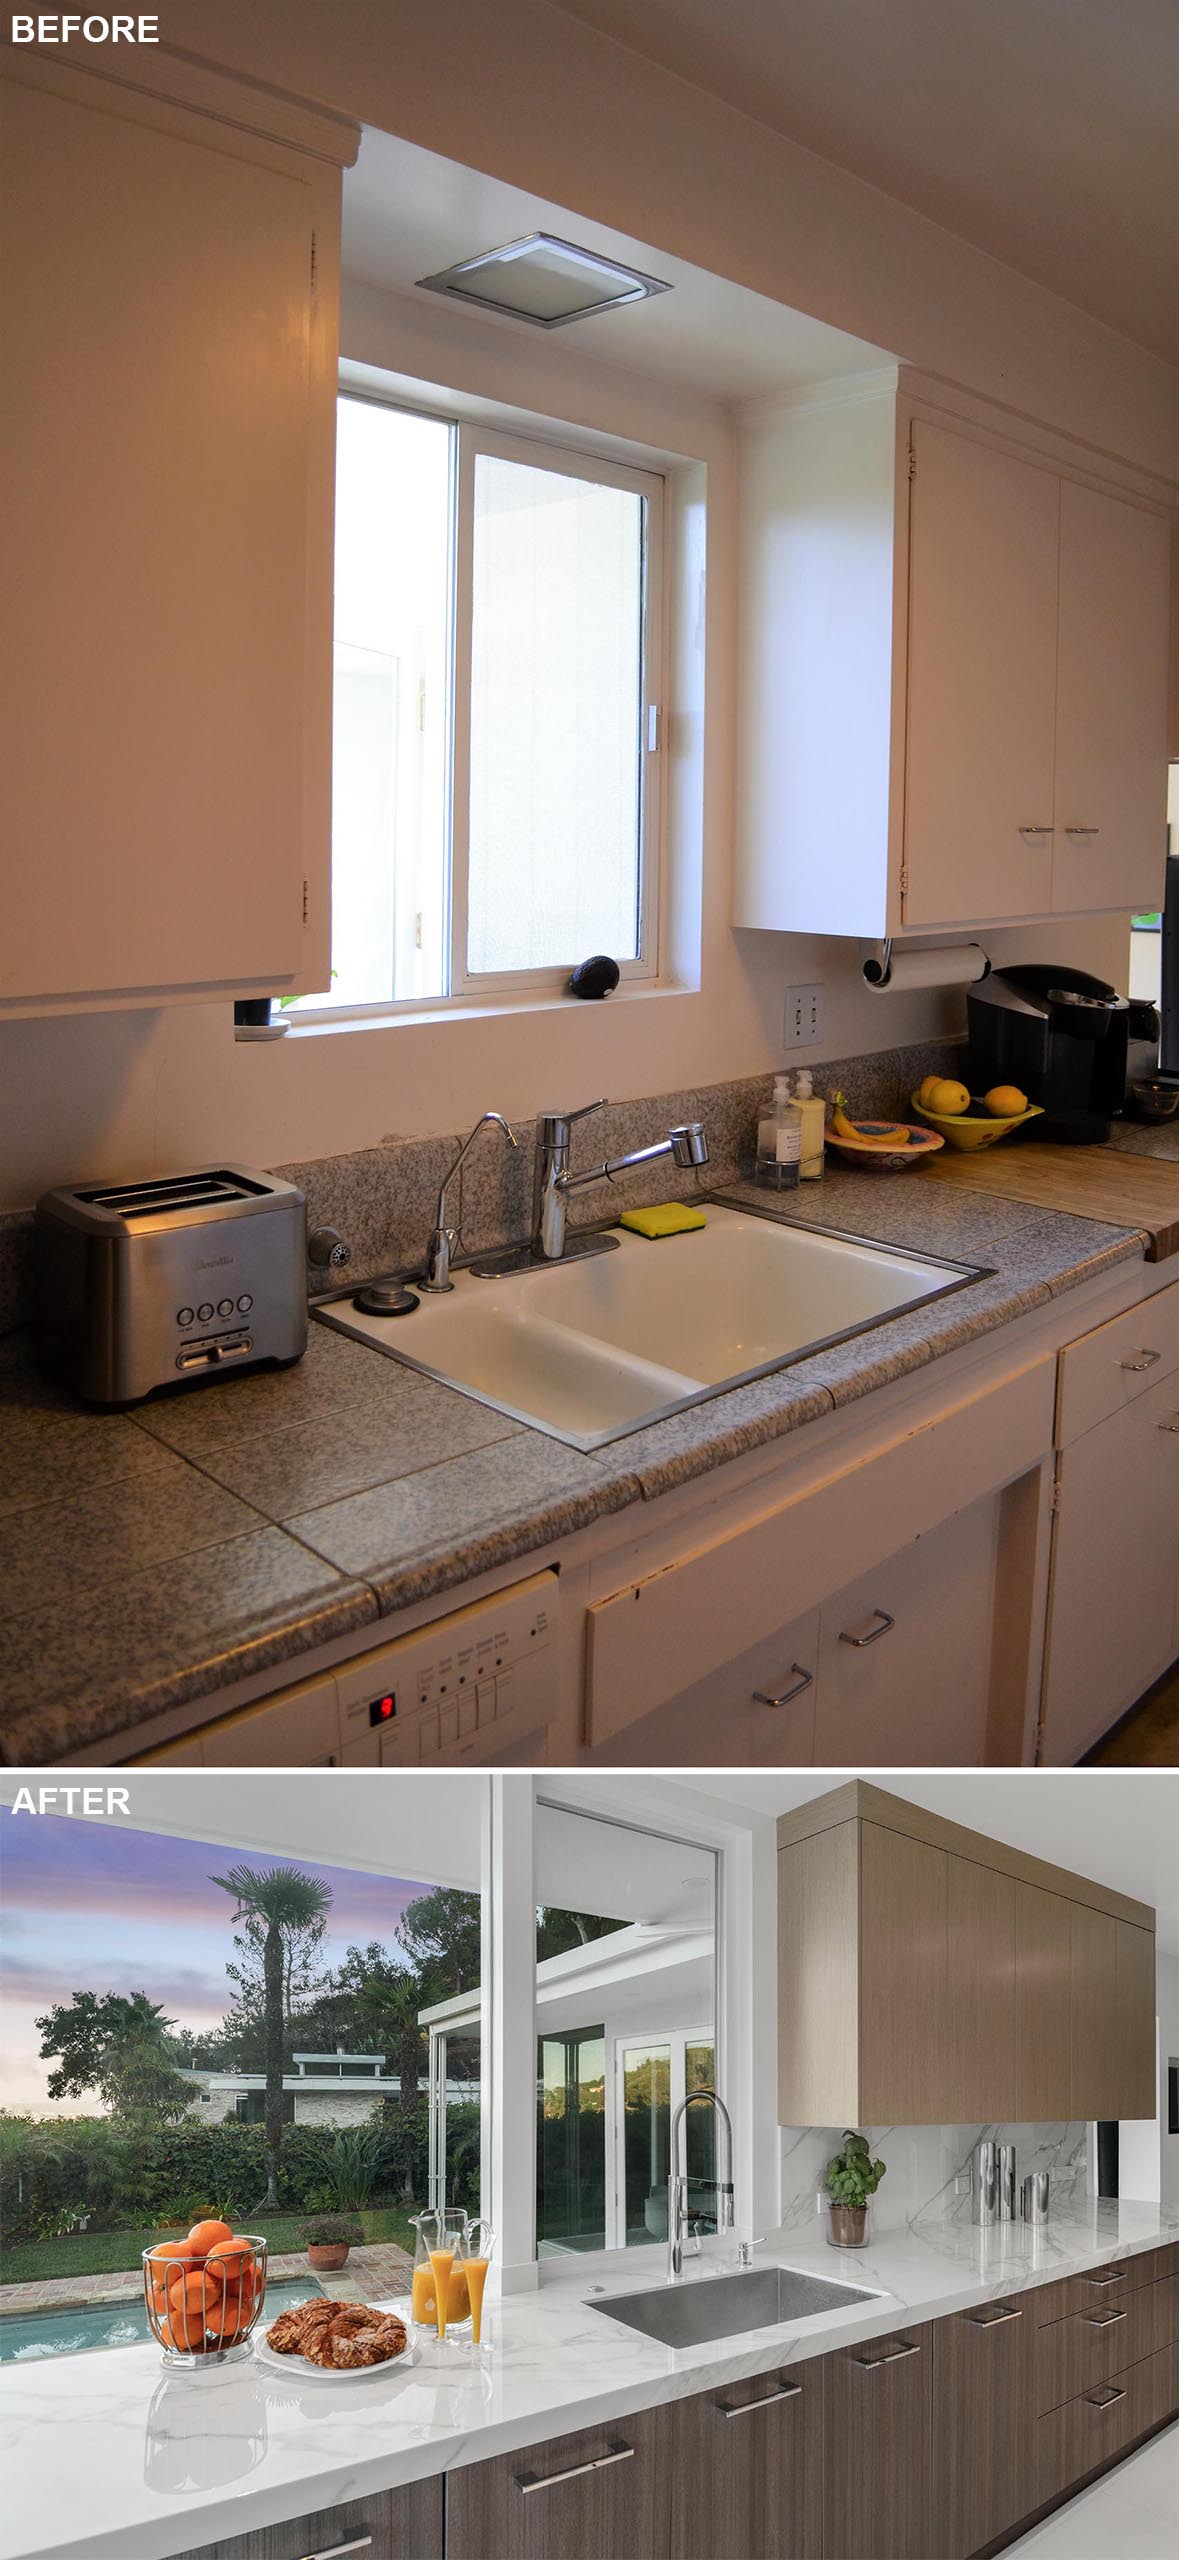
[402, 2524]
[1106, 2284]
[746, 2468]
[1087, 2347]
[592, 2496]
[1089, 2431]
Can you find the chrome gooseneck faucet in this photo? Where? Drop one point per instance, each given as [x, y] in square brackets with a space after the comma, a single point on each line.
[677, 2184]
[440, 1249]
[554, 1184]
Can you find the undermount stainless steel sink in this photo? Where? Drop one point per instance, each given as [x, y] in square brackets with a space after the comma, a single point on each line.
[590, 1349]
[707, 2307]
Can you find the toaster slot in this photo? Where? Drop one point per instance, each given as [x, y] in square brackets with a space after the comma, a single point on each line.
[211, 1355]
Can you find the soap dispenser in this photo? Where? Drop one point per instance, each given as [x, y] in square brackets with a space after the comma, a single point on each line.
[779, 1139]
[812, 1113]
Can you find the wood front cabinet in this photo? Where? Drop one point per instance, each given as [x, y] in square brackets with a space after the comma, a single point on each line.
[746, 2468]
[983, 2426]
[591, 2496]
[403, 2524]
[928, 1975]
[166, 461]
[878, 2422]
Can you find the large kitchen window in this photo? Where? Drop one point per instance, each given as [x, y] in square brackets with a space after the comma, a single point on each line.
[497, 734]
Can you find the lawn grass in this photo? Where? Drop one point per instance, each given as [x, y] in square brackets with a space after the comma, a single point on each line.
[109, 2253]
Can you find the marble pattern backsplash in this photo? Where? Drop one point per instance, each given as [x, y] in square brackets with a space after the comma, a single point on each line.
[928, 2169]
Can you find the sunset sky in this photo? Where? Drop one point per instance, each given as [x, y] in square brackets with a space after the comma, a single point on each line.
[94, 1906]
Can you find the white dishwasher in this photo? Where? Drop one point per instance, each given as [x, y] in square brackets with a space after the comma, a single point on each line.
[473, 1686]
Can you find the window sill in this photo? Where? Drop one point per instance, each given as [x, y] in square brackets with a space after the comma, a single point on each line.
[482, 1009]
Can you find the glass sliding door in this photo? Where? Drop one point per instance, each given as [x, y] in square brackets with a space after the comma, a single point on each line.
[571, 2141]
[454, 2118]
[646, 2129]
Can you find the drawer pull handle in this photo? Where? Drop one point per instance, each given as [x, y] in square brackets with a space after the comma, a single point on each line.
[1171, 1423]
[868, 2364]
[363, 2542]
[1104, 2319]
[744, 2407]
[1082, 831]
[1118, 2277]
[999, 2319]
[580, 2470]
[1107, 2403]
[762, 1698]
[1142, 1360]
[1037, 831]
[874, 1633]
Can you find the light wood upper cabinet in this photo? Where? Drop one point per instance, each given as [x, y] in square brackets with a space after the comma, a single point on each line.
[166, 467]
[930, 1975]
[954, 678]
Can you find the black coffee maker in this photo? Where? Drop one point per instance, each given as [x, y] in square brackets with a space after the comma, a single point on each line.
[1062, 1037]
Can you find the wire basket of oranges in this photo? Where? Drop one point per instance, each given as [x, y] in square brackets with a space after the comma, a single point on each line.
[203, 2295]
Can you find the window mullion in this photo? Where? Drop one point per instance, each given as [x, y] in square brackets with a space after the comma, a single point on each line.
[459, 814]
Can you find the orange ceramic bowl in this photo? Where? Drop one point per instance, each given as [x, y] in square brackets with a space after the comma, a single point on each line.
[866, 1151]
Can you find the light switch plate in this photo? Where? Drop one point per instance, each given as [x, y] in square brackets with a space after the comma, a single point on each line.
[803, 1024]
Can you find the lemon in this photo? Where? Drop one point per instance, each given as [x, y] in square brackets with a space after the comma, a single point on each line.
[948, 1098]
[1005, 1101]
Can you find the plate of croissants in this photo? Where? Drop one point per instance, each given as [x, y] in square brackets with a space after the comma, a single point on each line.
[327, 2339]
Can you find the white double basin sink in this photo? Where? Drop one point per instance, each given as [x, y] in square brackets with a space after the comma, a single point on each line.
[594, 1347]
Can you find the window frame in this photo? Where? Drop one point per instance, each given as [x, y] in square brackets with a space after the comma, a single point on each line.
[579, 458]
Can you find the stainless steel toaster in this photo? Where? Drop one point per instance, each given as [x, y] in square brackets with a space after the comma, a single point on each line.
[146, 1284]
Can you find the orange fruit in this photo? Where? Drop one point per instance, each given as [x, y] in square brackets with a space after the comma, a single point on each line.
[234, 2257]
[175, 2334]
[226, 2319]
[205, 2236]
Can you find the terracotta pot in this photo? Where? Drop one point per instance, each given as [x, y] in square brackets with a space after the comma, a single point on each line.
[328, 2255]
[849, 2226]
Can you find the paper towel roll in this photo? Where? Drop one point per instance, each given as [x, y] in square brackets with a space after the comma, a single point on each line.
[946, 964]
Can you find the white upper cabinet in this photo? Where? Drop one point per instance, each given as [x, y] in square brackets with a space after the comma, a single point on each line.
[954, 675]
[166, 469]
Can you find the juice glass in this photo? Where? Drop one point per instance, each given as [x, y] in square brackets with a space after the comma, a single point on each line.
[477, 2247]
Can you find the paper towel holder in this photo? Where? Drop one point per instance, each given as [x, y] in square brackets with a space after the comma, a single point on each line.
[877, 968]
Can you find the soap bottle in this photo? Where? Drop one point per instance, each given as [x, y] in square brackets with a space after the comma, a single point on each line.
[779, 1139]
[812, 1112]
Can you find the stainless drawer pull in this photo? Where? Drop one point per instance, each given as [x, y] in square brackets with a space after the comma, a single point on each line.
[1082, 831]
[1107, 2403]
[1142, 1360]
[1104, 2319]
[363, 2542]
[998, 2319]
[868, 2364]
[580, 2470]
[762, 1698]
[794, 2392]
[1171, 1423]
[1037, 831]
[874, 1634]
[1118, 2277]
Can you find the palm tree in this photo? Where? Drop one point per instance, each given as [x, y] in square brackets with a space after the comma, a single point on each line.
[286, 1899]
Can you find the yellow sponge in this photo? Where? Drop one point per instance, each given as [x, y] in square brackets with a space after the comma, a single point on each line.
[671, 1218]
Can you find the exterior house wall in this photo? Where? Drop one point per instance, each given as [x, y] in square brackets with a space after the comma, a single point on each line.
[338, 2107]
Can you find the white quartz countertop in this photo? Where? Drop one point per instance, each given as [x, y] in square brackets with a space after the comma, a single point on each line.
[106, 2456]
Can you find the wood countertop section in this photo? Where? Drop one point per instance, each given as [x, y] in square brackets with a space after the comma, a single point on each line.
[1140, 1191]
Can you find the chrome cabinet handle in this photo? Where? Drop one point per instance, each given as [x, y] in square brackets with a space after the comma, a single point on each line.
[1142, 1360]
[1082, 831]
[874, 1633]
[1000, 2318]
[363, 2542]
[1104, 2319]
[1107, 2403]
[602, 2462]
[1118, 2277]
[743, 2408]
[763, 1698]
[868, 2364]
[1171, 1423]
[1037, 831]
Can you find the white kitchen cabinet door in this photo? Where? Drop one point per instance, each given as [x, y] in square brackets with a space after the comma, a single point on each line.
[1111, 708]
[905, 1653]
[983, 562]
[1115, 1572]
[158, 454]
[757, 1712]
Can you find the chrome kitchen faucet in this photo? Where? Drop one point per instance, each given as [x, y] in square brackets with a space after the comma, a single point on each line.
[553, 1185]
[677, 2184]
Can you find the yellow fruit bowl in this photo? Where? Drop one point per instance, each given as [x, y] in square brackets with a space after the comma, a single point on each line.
[884, 1146]
[969, 1130]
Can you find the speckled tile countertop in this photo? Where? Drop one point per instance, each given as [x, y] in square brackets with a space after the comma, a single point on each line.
[155, 1557]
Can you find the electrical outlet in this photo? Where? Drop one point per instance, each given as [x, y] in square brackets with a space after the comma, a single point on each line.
[803, 1025]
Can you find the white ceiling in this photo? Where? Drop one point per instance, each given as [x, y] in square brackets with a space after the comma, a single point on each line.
[1045, 131]
[1119, 1826]
[409, 213]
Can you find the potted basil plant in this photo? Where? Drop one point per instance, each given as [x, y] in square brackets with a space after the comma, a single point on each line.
[851, 2177]
[327, 2238]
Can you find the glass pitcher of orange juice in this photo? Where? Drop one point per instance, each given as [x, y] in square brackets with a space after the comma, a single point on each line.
[438, 2268]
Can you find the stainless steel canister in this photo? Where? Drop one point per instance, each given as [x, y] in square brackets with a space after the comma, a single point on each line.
[1034, 2196]
[984, 2182]
[1007, 2182]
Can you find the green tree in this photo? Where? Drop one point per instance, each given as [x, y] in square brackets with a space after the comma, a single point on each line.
[122, 2048]
[279, 1904]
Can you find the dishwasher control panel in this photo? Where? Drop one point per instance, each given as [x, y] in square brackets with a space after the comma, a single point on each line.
[466, 1687]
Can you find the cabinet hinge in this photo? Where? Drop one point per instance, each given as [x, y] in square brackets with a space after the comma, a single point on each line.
[306, 902]
[912, 464]
[1055, 1504]
[904, 884]
[314, 259]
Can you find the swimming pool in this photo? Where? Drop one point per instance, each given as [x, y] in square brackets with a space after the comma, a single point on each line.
[106, 2324]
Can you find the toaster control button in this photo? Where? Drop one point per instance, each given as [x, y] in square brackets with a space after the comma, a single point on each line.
[225, 1306]
[186, 1316]
[244, 1305]
[205, 1312]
